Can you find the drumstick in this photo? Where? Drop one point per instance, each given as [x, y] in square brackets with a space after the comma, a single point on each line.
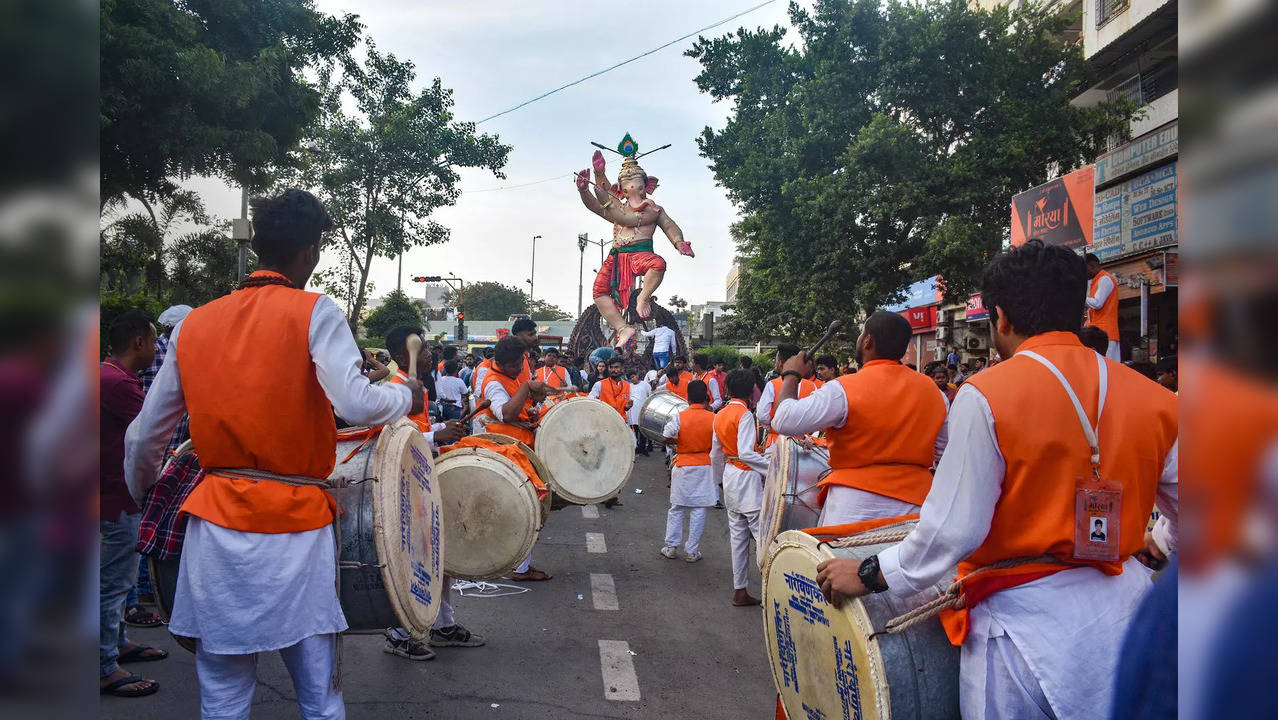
[829, 333]
[414, 343]
[481, 406]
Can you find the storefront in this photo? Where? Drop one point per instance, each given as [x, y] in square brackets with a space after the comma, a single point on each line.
[921, 309]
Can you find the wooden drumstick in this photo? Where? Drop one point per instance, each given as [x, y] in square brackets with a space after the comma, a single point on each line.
[829, 333]
[414, 343]
[481, 406]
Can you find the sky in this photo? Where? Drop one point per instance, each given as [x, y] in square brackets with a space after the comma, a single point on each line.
[496, 54]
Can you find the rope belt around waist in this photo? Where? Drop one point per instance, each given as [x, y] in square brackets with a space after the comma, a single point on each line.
[737, 462]
[256, 474]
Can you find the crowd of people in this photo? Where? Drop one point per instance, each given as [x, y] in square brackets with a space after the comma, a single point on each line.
[1055, 453]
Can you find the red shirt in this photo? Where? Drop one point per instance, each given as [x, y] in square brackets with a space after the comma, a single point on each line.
[121, 401]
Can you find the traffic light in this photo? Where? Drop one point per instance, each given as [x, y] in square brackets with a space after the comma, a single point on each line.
[426, 278]
[461, 316]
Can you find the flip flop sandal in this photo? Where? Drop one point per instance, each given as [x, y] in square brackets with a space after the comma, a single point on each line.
[116, 688]
[135, 654]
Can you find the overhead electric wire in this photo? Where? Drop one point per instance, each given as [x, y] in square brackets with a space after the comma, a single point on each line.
[578, 81]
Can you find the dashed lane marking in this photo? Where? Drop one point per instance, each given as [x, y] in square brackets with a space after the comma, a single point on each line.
[595, 543]
[604, 591]
[590, 512]
[618, 667]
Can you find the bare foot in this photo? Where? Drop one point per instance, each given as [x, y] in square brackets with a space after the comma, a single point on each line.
[625, 336]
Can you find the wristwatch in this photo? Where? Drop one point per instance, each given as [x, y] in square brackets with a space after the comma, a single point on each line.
[870, 576]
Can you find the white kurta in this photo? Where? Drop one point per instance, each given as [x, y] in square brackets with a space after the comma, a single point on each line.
[243, 592]
[1068, 627]
[742, 489]
[639, 392]
[690, 485]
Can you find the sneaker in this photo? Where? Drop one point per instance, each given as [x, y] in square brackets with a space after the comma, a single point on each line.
[400, 643]
[455, 636]
[669, 552]
[692, 557]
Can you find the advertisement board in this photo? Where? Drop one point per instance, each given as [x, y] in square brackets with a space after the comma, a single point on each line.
[921, 318]
[1058, 212]
[923, 292]
[1140, 153]
[976, 309]
[1136, 215]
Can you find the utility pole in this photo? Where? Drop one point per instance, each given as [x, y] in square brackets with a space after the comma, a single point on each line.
[240, 232]
[532, 274]
[581, 261]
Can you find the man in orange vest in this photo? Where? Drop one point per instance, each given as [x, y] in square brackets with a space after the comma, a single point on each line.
[767, 408]
[702, 371]
[552, 373]
[885, 426]
[513, 395]
[740, 469]
[260, 372]
[437, 434]
[692, 487]
[1102, 304]
[1046, 443]
[614, 389]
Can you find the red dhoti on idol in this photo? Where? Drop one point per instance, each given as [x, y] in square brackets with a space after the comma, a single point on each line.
[616, 279]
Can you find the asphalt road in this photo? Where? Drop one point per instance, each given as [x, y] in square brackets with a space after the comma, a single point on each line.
[550, 653]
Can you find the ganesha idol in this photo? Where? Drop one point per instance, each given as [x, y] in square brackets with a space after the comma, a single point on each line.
[635, 218]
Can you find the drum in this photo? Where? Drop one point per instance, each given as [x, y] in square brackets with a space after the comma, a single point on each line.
[823, 662]
[790, 491]
[544, 495]
[659, 409]
[587, 447]
[391, 558]
[491, 512]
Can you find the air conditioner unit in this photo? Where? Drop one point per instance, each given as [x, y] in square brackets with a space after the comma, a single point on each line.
[943, 333]
[975, 342]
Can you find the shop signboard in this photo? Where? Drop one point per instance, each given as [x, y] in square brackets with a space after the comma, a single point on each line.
[1138, 154]
[923, 292]
[1136, 215]
[1058, 212]
[976, 309]
[921, 319]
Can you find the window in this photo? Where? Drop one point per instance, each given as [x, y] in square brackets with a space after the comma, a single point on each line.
[1106, 9]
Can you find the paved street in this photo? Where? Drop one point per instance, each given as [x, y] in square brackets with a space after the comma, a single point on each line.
[555, 651]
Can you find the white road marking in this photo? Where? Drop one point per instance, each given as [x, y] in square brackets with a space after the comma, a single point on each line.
[619, 679]
[590, 512]
[595, 543]
[603, 591]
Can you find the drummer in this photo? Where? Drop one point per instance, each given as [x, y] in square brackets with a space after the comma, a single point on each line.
[512, 413]
[258, 370]
[551, 372]
[740, 468]
[692, 487]
[701, 370]
[437, 434]
[767, 401]
[614, 389]
[885, 426]
[827, 369]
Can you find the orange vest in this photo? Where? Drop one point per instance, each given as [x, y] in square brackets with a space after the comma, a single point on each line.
[1105, 317]
[1045, 451]
[254, 402]
[806, 388]
[556, 376]
[615, 392]
[511, 385]
[726, 423]
[696, 428]
[887, 444]
[681, 389]
[421, 419]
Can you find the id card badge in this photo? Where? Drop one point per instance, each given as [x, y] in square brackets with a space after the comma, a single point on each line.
[1098, 505]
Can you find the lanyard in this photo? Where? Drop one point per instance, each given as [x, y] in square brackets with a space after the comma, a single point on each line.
[1090, 431]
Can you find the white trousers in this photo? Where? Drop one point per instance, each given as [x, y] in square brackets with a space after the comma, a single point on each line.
[1114, 352]
[741, 526]
[523, 566]
[995, 683]
[227, 681]
[674, 527]
[445, 617]
[845, 504]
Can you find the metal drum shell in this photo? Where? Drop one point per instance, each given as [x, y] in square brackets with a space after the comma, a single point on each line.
[657, 410]
[563, 434]
[470, 524]
[790, 491]
[908, 675]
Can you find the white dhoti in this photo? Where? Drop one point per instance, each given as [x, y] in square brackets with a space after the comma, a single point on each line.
[1114, 351]
[241, 593]
[845, 504]
[692, 490]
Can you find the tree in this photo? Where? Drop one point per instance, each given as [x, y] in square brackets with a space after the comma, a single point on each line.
[383, 169]
[495, 301]
[207, 87]
[885, 148]
[397, 309]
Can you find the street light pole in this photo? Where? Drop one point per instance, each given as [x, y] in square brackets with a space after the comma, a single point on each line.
[532, 274]
[581, 260]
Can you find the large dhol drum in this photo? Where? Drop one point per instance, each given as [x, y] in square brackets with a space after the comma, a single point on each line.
[587, 447]
[659, 409]
[823, 662]
[790, 491]
[544, 496]
[391, 555]
[491, 512]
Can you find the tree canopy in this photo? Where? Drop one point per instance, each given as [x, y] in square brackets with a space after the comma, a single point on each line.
[396, 309]
[207, 87]
[495, 301]
[886, 147]
[382, 169]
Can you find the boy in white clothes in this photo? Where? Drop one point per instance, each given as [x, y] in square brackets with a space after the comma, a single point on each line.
[740, 468]
[692, 487]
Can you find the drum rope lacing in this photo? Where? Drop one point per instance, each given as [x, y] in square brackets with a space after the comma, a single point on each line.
[952, 598]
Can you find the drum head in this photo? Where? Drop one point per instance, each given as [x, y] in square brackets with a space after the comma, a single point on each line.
[821, 662]
[790, 492]
[543, 472]
[490, 513]
[588, 448]
[774, 489]
[408, 517]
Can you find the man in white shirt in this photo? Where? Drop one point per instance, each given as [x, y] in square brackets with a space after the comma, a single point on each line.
[639, 392]
[701, 370]
[663, 344]
[453, 394]
[1102, 304]
[740, 469]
